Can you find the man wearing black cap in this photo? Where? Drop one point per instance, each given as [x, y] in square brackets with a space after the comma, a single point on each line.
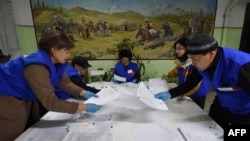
[126, 68]
[229, 72]
[75, 71]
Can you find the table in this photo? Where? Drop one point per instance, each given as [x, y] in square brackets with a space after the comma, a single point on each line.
[127, 119]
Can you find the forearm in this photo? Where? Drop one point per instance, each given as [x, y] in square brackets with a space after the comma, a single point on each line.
[37, 77]
[188, 86]
[76, 80]
[70, 87]
[244, 77]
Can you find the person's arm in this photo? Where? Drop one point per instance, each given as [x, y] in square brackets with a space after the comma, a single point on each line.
[79, 82]
[37, 77]
[189, 86]
[244, 77]
[173, 73]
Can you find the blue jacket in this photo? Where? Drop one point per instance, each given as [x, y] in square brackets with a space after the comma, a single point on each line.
[127, 72]
[204, 86]
[70, 71]
[226, 76]
[12, 82]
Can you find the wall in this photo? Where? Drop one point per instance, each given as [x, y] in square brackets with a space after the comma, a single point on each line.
[226, 36]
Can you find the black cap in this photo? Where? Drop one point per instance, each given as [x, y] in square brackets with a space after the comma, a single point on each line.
[201, 44]
[81, 61]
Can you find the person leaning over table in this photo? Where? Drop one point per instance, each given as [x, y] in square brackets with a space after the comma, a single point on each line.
[33, 77]
[75, 72]
[228, 70]
[126, 68]
[184, 69]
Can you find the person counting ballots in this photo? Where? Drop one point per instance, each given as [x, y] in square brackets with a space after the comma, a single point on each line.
[126, 68]
[75, 72]
[228, 70]
[183, 70]
[28, 79]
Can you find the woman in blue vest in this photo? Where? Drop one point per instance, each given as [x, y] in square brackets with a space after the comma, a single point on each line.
[183, 70]
[75, 72]
[32, 78]
[125, 68]
[228, 70]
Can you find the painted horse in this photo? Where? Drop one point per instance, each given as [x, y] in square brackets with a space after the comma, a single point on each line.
[146, 35]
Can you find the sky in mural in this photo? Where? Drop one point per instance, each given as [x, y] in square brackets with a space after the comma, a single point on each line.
[144, 7]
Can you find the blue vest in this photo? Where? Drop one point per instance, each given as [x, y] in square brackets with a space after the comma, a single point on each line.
[226, 76]
[70, 71]
[12, 82]
[126, 72]
[205, 84]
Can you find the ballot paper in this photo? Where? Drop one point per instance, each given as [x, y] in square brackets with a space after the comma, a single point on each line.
[157, 85]
[147, 97]
[106, 95]
[210, 132]
[119, 78]
[90, 133]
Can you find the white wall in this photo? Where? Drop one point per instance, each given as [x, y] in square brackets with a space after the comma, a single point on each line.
[22, 12]
[236, 15]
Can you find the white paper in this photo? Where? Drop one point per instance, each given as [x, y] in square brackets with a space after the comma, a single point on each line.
[119, 78]
[147, 97]
[226, 89]
[106, 95]
[157, 85]
[155, 132]
[46, 134]
[202, 133]
[95, 133]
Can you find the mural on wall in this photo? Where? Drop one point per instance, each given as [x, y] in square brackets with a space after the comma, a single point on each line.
[98, 28]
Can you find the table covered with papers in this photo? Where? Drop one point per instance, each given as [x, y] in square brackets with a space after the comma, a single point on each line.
[129, 113]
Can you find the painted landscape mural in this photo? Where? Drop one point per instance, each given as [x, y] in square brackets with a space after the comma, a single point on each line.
[99, 27]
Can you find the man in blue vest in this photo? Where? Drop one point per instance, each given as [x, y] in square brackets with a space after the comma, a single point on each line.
[229, 72]
[75, 72]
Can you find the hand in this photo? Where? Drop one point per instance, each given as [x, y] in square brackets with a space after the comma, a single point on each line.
[92, 108]
[164, 76]
[134, 81]
[89, 94]
[114, 80]
[163, 95]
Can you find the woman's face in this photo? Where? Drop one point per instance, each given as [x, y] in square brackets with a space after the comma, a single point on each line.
[125, 61]
[60, 55]
[179, 49]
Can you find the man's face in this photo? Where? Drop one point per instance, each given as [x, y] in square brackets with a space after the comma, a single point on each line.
[80, 69]
[202, 61]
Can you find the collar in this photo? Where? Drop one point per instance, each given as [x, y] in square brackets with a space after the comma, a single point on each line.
[184, 64]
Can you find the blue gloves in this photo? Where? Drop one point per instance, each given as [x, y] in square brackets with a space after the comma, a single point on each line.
[134, 81]
[92, 108]
[163, 95]
[114, 80]
[89, 94]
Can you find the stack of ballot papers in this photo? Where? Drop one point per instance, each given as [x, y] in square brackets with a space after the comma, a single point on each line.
[147, 97]
[106, 95]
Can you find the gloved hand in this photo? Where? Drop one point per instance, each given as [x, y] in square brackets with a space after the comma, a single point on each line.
[134, 81]
[114, 80]
[92, 108]
[89, 94]
[163, 95]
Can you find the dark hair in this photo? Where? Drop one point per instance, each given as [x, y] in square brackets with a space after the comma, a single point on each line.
[56, 39]
[125, 53]
[184, 42]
